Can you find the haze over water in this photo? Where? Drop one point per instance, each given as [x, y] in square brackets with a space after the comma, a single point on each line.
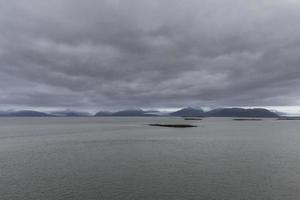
[123, 158]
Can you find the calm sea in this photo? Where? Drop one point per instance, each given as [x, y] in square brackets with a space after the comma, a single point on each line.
[124, 159]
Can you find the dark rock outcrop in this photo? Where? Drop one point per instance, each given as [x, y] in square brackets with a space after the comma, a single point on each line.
[174, 125]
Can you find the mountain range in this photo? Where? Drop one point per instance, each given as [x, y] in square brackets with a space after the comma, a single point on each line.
[32, 113]
[188, 112]
[241, 112]
[125, 113]
[24, 113]
[185, 112]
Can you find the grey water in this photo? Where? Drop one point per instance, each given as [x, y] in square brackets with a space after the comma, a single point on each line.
[125, 159]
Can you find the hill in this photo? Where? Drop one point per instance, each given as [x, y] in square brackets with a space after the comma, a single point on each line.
[241, 112]
[188, 112]
[24, 113]
[126, 113]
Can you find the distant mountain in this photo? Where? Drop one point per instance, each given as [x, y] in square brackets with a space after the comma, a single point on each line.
[188, 112]
[241, 112]
[133, 113]
[127, 113]
[24, 113]
[185, 112]
[280, 113]
[70, 113]
[5, 113]
[103, 114]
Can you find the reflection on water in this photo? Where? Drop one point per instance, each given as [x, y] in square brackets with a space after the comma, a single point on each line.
[124, 159]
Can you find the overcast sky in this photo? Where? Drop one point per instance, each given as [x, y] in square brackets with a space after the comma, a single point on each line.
[113, 54]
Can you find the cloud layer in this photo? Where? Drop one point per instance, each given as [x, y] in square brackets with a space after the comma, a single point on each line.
[141, 53]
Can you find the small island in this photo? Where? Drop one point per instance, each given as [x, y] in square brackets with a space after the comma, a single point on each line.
[192, 118]
[247, 119]
[288, 118]
[174, 125]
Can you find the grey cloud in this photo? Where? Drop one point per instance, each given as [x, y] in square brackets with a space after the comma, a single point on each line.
[160, 53]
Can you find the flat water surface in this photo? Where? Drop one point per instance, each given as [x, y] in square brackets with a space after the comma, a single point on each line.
[125, 159]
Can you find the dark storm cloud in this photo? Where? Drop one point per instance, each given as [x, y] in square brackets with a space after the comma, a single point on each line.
[140, 53]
